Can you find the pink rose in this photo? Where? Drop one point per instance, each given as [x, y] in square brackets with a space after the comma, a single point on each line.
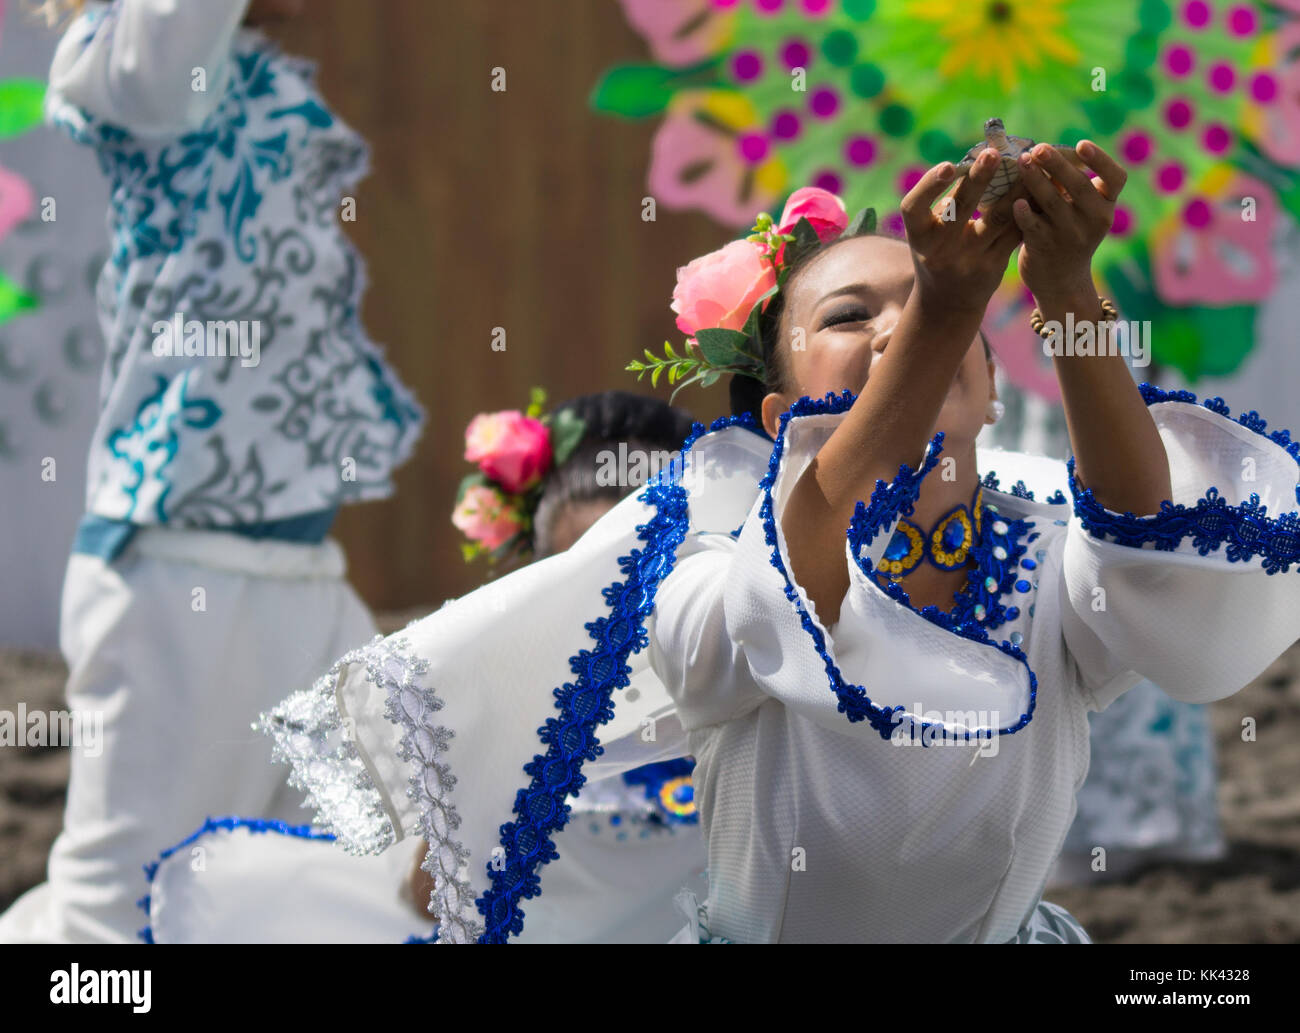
[719, 289]
[823, 210]
[511, 448]
[483, 517]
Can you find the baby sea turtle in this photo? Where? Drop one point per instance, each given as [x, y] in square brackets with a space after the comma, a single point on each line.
[1008, 171]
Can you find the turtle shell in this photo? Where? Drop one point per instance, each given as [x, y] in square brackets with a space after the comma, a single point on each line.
[1007, 174]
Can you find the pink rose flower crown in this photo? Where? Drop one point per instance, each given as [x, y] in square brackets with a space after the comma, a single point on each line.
[720, 297]
[513, 451]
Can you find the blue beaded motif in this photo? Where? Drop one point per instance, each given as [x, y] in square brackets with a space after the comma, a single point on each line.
[585, 703]
[869, 519]
[975, 595]
[1246, 528]
[258, 825]
[653, 777]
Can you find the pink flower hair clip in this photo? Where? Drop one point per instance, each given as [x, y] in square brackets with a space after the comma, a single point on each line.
[720, 297]
[513, 451]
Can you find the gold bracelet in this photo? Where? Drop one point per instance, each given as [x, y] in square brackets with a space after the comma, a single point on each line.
[1107, 307]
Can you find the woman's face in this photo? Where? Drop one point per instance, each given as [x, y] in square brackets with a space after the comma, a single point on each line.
[847, 304]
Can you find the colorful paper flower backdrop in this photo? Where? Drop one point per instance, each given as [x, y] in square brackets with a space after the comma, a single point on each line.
[20, 110]
[1200, 99]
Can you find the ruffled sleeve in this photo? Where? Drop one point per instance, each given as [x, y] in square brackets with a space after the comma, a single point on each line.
[473, 726]
[1203, 595]
[734, 628]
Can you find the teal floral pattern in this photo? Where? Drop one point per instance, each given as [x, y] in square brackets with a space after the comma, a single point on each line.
[238, 220]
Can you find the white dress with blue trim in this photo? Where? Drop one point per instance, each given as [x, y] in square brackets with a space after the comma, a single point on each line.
[224, 214]
[901, 776]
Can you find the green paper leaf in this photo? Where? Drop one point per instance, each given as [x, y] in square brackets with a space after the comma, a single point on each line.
[641, 90]
[710, 378]
[21, 103]
[567, 429]
[720, 347]
[13, 299]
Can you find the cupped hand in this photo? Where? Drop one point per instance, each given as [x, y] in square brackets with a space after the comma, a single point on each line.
[956, 258]
[1071, 214]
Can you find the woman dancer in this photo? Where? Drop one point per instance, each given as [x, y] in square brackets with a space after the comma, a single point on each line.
[889, 730]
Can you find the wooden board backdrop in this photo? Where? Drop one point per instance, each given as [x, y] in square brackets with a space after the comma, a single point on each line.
[519, 209]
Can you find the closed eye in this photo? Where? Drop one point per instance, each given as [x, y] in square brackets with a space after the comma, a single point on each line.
[853, 314]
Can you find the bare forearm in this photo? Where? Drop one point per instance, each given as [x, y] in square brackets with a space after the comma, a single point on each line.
[1118, 451]
[889, 425]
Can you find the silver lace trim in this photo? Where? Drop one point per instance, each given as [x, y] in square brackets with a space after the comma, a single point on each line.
[309, 735]
[430, 786]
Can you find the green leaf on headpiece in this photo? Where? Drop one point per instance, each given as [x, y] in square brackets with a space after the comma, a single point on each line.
[805, 240]
[863, 222]
[470, 480]
[750, 329]
[722, 347]
[567, 428]
[536, 403]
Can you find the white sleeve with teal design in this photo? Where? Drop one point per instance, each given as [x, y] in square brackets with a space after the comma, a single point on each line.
[153, 67]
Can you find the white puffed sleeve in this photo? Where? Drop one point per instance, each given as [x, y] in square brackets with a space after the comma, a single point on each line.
[1203, 595]
[734, 629]
[153, 67]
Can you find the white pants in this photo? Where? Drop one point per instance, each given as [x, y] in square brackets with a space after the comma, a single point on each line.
[177, 646]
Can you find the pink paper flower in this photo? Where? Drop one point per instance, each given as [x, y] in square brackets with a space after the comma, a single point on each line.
[483, 516]
[679, 32]
[1211, 254]
[509, 447]
[1276, 125]
[820, 207]
[719, 289]
[698, 166]
[16, 200]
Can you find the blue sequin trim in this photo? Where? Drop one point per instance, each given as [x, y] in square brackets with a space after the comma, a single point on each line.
[585, 703]
[1246, 529]
[211, 825]
[869, 519]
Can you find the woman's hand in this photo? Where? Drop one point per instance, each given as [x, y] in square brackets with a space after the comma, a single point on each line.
[1075, 214]
[959, 261]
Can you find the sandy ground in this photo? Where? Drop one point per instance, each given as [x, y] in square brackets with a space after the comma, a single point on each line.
[1250, 896]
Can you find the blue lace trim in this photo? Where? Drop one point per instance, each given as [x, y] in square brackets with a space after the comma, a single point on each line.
[1020, 491]
[585, 703]
[211, 825]
[1246, 529]
[869, 519]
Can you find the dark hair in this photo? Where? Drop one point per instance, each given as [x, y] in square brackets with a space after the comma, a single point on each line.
[746, 392]
[646, 425]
